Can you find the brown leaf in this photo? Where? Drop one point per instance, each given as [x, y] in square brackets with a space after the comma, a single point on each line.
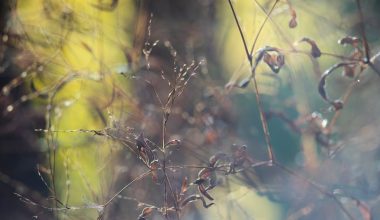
[146, 212]
[275, 65]
[204, 192]
[353, 41]
[337, 104]
[173, 142]
[315, 51]
[193, 198]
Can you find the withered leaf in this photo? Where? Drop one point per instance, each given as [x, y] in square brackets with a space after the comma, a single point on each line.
[337, 104]
[146, 212]
[315, 51]
[193, 198]
[274, 61]
[173, 142]
[204, 192]
[272, 57]
[353, 41]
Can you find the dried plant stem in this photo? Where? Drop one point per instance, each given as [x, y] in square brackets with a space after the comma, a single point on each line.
[264, 122]
[126, 186]
[241, 32]
[257, 94]
[345, 98]
[262, 26]
[308, 142]
[362, 30]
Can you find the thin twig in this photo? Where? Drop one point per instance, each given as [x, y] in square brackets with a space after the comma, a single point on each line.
[257, 95]
[362, 30]
[241, 33]
[262, 27]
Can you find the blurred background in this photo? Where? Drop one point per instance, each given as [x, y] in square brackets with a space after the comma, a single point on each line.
[81, 80]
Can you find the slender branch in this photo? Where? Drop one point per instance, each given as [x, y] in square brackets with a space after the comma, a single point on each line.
[345, 98]
[264, 122]
[262, 27]
[257, 94]
[362, 30]
[241, 33]
[126, 186]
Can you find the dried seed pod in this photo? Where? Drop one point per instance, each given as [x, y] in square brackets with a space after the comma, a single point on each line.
[293, 21]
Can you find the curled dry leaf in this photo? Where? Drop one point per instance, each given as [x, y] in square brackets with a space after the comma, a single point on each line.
[353, 41]
[204, 192]
[272, 57]
[315, 51]
[173, 142]
[337, 104]
[206, 181]
[193, 198]
[274, 61]
[146, 212]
